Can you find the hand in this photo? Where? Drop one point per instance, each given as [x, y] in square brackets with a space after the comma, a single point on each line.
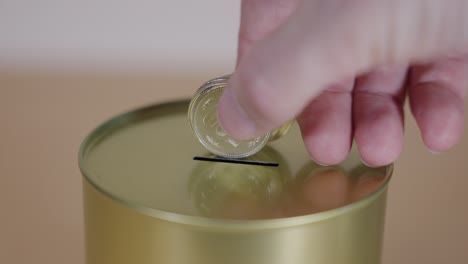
[343, 69]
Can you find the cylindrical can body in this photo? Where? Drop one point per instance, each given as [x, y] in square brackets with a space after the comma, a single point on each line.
[124, 224]
[116, 234]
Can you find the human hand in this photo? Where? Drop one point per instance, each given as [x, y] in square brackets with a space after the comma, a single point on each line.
[343, 69]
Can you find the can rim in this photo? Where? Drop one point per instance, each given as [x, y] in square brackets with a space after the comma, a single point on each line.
[204, 222]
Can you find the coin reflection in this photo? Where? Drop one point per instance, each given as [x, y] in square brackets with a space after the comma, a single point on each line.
[239, 191]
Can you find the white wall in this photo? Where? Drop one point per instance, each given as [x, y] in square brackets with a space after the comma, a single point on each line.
[171, 34]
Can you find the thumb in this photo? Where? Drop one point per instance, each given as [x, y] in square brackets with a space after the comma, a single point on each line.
[323, 42]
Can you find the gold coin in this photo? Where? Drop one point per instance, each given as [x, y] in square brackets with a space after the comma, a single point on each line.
[204, 122]
[280, 131]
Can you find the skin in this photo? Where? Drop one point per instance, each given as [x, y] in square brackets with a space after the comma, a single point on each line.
[344, 68]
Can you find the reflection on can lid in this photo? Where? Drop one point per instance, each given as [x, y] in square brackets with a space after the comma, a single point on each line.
[145, 158]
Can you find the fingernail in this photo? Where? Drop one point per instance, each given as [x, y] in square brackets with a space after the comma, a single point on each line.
[367, 164]
[233, 118]
[435, 152]
[318, 162]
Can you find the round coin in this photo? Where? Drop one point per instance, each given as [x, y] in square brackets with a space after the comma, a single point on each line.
[204, 122]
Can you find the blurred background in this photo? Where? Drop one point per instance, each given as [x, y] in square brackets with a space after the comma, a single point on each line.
[141, 35]
[66, 66]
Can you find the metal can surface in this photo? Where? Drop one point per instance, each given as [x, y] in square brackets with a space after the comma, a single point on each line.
[153, 195]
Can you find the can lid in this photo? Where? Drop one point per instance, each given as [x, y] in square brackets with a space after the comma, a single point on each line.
[149, 158]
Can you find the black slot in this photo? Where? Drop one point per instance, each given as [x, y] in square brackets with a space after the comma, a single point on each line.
[238, 161]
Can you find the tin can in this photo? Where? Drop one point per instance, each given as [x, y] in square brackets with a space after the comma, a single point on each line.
[153, 195]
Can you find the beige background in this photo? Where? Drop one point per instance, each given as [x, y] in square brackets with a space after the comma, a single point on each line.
[147, 47]
[44, 117]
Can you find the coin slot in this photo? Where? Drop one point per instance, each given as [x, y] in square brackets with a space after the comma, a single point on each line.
[238, 161]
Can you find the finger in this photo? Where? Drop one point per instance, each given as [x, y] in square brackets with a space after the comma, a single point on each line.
[378, 115]
[326, 124]
[436, 99]
[259, 18]
[326, 41]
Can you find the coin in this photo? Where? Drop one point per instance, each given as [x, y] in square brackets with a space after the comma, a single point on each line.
[204, 122]
[280, 131]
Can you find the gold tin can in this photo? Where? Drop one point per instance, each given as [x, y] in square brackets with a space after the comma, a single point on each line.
[152, 194]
